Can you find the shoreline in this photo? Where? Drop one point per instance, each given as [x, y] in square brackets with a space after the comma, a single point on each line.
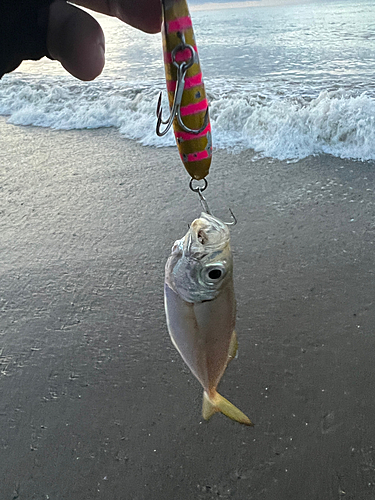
[96, 403]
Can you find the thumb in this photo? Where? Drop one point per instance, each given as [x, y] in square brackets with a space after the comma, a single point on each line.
[76, 40]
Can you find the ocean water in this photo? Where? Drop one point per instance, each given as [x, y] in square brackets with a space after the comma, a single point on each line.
[286, 82]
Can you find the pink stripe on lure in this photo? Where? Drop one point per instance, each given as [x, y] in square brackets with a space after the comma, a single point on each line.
[192, 109]
[190, 82]
[199, 155]
[187, 136]
[181, 23]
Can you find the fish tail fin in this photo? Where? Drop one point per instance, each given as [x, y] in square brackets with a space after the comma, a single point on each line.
[217, 403]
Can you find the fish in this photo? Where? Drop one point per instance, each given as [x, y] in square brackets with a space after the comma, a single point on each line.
[200, 308]
[186, 92]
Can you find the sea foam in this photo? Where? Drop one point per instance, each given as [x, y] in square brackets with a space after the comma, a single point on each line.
[284, 127]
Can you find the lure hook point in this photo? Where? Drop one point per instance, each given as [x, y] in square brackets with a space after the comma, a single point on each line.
[234, 222]
[159, 113]
[204, 203]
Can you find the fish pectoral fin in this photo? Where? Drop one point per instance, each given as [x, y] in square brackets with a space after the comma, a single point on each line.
[233, 348]
[219, 404]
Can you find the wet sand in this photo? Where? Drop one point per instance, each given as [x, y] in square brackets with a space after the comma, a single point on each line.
[96, 403]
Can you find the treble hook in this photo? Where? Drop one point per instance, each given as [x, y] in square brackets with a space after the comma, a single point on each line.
[204, 203]
[177, 98]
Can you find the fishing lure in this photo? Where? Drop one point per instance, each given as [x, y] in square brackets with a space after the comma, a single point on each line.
[187, 97]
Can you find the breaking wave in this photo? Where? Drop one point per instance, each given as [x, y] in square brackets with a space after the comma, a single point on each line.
[339, 122]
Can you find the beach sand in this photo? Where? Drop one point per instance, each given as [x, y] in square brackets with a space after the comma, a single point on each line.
[95, 401]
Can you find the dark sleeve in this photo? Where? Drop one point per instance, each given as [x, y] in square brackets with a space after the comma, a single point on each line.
[23, 32]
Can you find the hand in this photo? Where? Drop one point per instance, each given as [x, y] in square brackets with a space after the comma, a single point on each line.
[76, 40]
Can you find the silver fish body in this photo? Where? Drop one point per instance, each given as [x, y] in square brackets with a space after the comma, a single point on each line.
[200, 307]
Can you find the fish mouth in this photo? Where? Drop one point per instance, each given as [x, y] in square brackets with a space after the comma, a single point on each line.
[200, 263]
[205, 236]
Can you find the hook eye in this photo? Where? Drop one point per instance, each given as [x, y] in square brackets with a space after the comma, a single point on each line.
[198, 188]
[185, 65]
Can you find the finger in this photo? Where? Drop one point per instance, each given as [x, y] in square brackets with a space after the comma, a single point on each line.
[76, 40]
[142, 14]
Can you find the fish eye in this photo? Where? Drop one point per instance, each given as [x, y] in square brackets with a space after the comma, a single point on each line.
[215, 274]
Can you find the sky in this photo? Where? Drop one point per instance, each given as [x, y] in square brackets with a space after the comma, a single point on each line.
[213, 4]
